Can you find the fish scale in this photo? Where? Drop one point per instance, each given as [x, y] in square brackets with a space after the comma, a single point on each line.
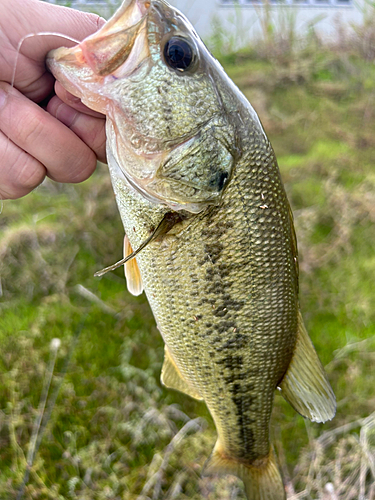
[232, 297]
[204, 209]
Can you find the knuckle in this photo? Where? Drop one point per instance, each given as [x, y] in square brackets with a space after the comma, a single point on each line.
[29, 173]
[30, 129]
[22, 121]
[19, 172]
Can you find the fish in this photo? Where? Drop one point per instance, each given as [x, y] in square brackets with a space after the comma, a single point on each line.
[209, 230]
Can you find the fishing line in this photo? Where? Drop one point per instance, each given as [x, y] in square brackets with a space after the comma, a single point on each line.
[32, 35]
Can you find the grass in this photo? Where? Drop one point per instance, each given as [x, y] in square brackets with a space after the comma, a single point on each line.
[114, 432]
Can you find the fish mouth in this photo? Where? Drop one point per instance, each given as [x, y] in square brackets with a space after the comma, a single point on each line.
[107, 70]
[115, 51]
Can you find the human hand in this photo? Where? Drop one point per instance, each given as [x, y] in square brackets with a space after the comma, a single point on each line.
[63, 141]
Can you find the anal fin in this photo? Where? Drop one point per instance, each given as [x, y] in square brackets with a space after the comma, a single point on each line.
[171, 377]
[132, 273]
[305, 385]
[262, 480]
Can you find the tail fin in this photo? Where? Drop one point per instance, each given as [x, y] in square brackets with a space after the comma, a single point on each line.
[262, 481]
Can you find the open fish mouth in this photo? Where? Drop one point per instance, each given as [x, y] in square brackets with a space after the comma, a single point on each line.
[116, 50]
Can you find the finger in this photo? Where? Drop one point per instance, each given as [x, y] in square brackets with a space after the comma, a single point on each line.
[66, 157]
[38, 17]
[39, 89]
[74, 102]
[44, 17]
[88, 128]
[20, 173]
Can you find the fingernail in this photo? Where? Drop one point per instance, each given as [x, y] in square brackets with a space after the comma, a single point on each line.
[3, 97]
[66, 114]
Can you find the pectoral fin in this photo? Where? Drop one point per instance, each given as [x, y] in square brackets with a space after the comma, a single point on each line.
[165, 225]
[305, 385]
[171, 377]
[132, 273]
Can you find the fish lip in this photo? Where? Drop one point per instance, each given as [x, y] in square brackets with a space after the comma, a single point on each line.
[60, 61]
[99, 52]
[111, 47]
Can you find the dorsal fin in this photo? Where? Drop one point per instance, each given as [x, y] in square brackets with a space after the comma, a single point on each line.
[305, 385]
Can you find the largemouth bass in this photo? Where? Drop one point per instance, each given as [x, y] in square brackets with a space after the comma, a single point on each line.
[203, 206]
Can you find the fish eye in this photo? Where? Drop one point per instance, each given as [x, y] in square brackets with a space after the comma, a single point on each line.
[178, 53]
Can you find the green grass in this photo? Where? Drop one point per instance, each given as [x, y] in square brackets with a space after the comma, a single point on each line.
[114, 432]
